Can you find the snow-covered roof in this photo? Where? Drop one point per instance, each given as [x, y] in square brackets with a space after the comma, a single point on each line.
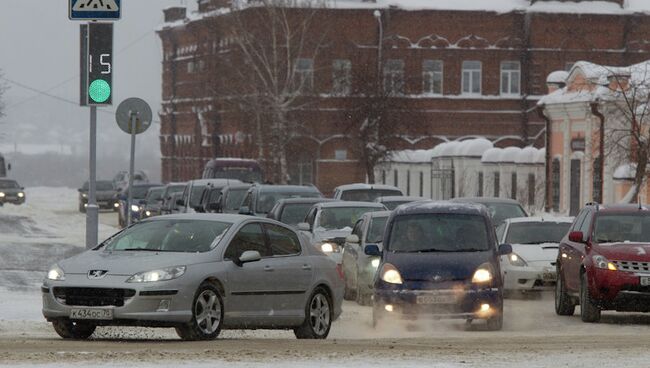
[449, 149]
[546, 218]
[491, 155]
[509, 154]
[558, 76]
[541, 156]
[412, 155]
[474, 147]
[625, 172]
[527, 155]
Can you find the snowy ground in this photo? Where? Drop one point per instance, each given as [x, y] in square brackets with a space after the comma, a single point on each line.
[48, 228]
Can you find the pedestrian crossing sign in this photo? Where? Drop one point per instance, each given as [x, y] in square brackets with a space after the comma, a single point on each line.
[94, 9]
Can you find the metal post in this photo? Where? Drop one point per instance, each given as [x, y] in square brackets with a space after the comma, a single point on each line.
[92, 211]
[131, 169]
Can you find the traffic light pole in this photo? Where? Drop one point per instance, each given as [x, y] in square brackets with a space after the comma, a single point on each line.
[92, 211]
[129, 200]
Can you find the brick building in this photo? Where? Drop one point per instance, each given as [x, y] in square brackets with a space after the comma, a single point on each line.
[456, 69]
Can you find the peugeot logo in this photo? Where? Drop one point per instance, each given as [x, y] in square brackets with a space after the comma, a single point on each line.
[97, 274]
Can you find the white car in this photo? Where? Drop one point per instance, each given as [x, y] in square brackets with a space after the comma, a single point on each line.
[535, 242]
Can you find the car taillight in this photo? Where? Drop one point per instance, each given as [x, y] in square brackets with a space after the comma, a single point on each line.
[339, 270]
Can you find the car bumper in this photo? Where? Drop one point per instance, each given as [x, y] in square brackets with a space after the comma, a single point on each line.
[529, 278]
[439, 303]
[165, 303]
[619, 290]
[13, 200]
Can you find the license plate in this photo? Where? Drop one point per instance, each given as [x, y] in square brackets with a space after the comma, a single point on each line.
[91, 313]
[645, 281]
[436, 299]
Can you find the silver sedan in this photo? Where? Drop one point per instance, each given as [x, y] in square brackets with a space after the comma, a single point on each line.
[198, 273]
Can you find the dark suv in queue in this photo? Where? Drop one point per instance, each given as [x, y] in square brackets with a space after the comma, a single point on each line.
[440, 260]
[604, 262]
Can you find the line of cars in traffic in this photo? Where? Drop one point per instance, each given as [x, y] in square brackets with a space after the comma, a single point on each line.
[271, 256]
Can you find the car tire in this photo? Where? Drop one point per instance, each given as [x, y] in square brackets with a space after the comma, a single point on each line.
[589, 311]
[318, 316]
[495, 323]
[564, 306]
[73, 330]
[207, 315]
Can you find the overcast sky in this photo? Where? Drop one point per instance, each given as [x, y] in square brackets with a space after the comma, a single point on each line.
[39, 47]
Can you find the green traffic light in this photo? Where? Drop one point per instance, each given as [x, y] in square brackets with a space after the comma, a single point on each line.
[99, 90]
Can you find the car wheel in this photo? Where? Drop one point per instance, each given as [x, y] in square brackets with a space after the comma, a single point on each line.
[73, 330]
[589, 311]
[318, 318]
[207, 315]
[495, 323]
[564, 306]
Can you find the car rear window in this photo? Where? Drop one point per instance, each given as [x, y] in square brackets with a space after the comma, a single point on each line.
[368, 195]
[267, 200]
[438, 233]
[294, 213]
[537, 232]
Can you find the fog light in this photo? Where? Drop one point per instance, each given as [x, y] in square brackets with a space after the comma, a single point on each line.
[485, 307]
[375, 263]
[388, 307]
[163, 306]
[116, 204]
[85, 205]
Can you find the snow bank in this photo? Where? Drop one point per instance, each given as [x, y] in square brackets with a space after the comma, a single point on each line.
[625, 172]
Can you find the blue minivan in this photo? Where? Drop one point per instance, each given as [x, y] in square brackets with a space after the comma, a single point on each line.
[439, 260]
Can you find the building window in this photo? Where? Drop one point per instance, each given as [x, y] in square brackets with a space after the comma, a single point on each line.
[421, 184]
[341, 155]
[300, 171]
[191, 67]
[497, 183]
[479, 193]
[395, 177]
[513, 186]
[510, 78]
[304, 75]
[394, 76]
[555, 184]
[471, 77]
[408, 182]
[432, 77]
[383, 176]
[531, 189]
[597, 194]
[341, 77]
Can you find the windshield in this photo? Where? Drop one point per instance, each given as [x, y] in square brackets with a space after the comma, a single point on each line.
[140, 192]
[537, 232]
[332, 218]
[235, 198]
[170, 236]
[102, 185]
[267, 200]
[438, 233]
[294, 213]
[154, 195]
[245, 174]
[8, 184]
[174, 189]
[376, 230]
[393, 204]
[503, 211]
[195, 196]
[614, 228]
[368, 195]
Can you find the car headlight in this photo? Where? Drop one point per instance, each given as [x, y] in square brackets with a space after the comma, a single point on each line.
[116, 204]
[329, 248]
[2, 195]
[375, 263]
[390, 274]
[147, 213]
[21, 194]
[135, 208]
[516, 260]
[56, 273]
[158, 275]
[84, 195]
[602, 262]
[483, 274]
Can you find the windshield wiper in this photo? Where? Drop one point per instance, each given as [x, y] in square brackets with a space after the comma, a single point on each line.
[609, 241]
[144, 249]
[539, 242]
[430, 250]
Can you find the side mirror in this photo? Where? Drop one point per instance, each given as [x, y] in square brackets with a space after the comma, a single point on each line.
[303, 226]
[245, 210]
[79, 190]
[576, 237]
[353, 239]
[372, 250]
[8, 167]
[179, 202]
[249, 256]
[505, 249]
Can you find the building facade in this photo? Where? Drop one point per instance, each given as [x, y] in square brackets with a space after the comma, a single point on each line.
[453, 73]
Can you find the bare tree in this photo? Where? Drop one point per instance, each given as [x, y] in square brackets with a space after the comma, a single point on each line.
[3, 89]
[275, 46]
[628, 131]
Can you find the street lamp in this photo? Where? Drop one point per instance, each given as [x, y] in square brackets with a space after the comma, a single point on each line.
[377, 15]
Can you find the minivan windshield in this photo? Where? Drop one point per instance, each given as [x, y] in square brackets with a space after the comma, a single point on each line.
[169, 236]
[154, 195]
[267, 199]
[295, 213]
[620, 228]
[8, 184]
[438, 232]
[234, 198]
[376, 230]
[332, 218]
[536, 232]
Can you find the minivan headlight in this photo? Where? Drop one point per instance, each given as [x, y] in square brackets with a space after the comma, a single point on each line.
[390, 274]
[135, 208]
[164, 274]
[56, 273]
[483, 274]
[516, 260]
[602, 262]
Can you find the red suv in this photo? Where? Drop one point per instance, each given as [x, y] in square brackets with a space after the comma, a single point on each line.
[604, 262]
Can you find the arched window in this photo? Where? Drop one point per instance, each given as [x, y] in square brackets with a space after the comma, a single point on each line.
[555, 184]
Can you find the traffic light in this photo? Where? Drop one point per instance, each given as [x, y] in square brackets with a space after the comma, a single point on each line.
[100, 64]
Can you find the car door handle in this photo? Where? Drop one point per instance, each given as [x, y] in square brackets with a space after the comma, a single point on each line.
[268, 269]
[306, 267]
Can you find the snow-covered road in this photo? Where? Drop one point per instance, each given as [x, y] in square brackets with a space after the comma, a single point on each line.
[49, 228]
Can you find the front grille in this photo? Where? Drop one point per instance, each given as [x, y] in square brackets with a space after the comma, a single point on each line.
[632, 266]
[92, 297]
